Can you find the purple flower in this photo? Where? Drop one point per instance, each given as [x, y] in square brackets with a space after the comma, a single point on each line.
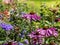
[41, 31]
[26, 41]
[23, 13]
[48, 32]
[20, 43]
[53, 28]
[21, 35]
[54, 31]
[31, 16]
[23, 31]
[39, 34]
[6, 26]
[36, 37]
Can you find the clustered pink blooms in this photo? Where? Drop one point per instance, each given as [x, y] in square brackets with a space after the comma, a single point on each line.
[8, 1]
[42, 33]
[36, 38]
[48, 32]
[31, 16]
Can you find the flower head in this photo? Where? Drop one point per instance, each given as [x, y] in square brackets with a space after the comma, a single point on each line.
[6, 26]
[41, 33]
[20, 43]
[54, 31]
[36, 37]
[48, 32]
[31, 16]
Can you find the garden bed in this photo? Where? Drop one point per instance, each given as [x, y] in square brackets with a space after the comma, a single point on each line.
[29, 22]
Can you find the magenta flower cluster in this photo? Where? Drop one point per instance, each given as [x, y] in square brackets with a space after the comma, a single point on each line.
[30, 16]
[48, 32]
[39, 34]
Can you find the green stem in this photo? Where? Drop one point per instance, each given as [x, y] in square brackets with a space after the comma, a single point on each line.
[45, 40]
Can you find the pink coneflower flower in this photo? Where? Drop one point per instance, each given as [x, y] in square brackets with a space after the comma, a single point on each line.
[54, 31]
[36, 37]
[48, 32]
[31, 16]
[41, 33]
